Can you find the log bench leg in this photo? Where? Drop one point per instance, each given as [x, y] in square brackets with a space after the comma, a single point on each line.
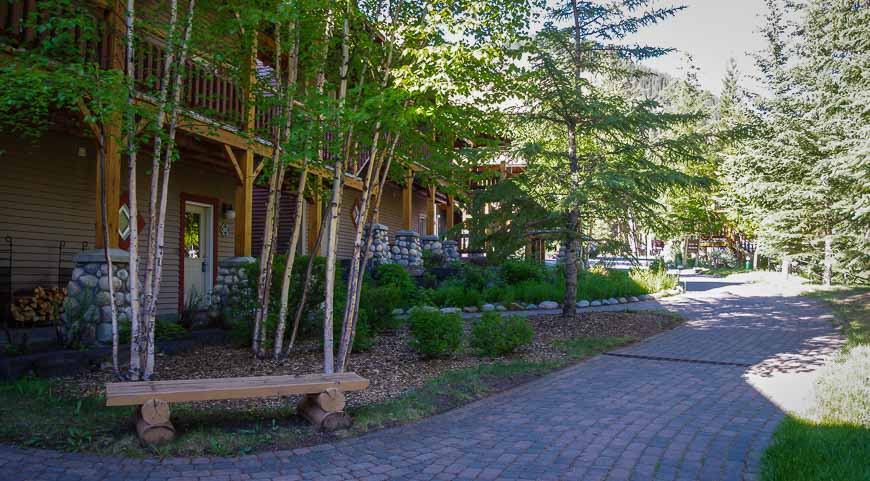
[325, 410]
[152, 423]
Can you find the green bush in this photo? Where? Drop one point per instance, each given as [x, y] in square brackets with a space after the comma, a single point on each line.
[453, 293]
[515, 271]
[650, 281]
[434, 333]
[164, 330]
[537, 291]
[497, 335]
[378, 302]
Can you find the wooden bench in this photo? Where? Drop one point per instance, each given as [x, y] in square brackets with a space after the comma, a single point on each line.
[323, 404]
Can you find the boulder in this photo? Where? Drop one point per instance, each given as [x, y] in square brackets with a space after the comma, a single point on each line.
[531, 307]
[398, 312]
[470, 309]
[622, 300]
[500, 308]
[582, 304]
[549, 305]
[449, 310]
[487, 307]
[633, 299]
[612, 301]
[514, 306]
[595, 303]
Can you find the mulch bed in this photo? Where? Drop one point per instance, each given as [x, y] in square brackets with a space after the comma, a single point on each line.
[391, 365]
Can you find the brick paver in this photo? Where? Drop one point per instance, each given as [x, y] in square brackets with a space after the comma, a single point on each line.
[610, 418]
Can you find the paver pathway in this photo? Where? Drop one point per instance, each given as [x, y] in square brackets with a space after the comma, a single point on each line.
[699, 402]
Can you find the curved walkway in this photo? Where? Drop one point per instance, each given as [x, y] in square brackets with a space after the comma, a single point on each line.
[699, 402]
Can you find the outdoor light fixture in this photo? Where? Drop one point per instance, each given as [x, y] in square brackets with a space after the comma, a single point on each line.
[229, 213]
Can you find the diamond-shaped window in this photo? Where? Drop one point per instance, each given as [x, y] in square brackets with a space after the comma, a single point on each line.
[124, 222]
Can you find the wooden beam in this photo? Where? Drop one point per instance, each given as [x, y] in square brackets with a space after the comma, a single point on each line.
[315, 215]
[432, 211]
[113, 189]
[259, 168]
[244, 205]
[232, 156]
[450, 204]
[408, 200]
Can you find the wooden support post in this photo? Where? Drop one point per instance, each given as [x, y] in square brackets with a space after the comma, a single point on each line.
[432, 211]
[152, 423]
[408, 200]
[315, 215]
[450, 213]
[325, 410]
[244, 204]
[113, 188]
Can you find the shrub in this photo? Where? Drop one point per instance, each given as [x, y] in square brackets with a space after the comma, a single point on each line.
[164, 330]
[514, 271]
[378, 302]
[454, 293]
[497, 335]
[434, 333]
[537, 291]
[501, 294]
[650, 281]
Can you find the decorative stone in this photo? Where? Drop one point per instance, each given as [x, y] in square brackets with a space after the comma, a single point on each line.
[104, 283]
[531, 307]
[121, 298]
[515, 306]
[595, 303]
[102, 299]
[549, 305]
[612, 301]
[104, 332]
[89, 281]
[622, 300]
[398, 312]
[487, 307]
[92, 268]
[500, 308]
[450, 310]
[470, 309]
[122, 274]
[633, 299]
[73, 289]
[77, 273]
[582, 304]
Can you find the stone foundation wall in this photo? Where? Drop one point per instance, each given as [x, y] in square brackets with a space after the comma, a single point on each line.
[232, 280]
[407, 251]
[87, 317]
[451, 251]
[379, 250]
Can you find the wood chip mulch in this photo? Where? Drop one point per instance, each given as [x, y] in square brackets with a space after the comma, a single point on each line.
[391, 365]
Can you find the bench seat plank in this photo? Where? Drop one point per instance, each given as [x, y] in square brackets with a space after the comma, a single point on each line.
[136, 393]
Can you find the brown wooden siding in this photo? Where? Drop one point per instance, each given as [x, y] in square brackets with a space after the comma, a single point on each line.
[285, 219]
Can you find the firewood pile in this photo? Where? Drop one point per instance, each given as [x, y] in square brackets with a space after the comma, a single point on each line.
[46, 304]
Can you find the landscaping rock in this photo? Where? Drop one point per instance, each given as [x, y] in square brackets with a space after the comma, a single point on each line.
[500, 308]
[487, 307]
[470, 309]
[548, 305]
[531, 307]
[514, 306]
[612, 301]
[448, 310]
[595, 303]
[622, 300]
[398, 312]
[582, 304]
[633, 299]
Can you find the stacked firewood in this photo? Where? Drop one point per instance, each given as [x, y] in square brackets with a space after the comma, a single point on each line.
[46, 304]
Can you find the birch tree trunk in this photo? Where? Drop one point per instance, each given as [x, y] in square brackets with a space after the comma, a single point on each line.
[334, 210]
[138, 345]
[159, 249]
[133, 269]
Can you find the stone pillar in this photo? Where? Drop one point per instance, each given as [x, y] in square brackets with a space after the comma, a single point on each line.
[87, 317]
[451, 251]
[409, 252]
[379, 250]
[232, 280]
[432, 245]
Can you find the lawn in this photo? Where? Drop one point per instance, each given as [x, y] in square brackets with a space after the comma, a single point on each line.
[835, 444]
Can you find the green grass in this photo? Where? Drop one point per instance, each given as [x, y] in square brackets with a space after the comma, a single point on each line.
[836, 444]
[806, 451]
[34, 414]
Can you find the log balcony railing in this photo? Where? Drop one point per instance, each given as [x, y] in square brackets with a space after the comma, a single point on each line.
[209, 90]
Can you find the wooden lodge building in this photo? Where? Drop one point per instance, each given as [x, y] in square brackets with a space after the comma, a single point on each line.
[50, 189]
